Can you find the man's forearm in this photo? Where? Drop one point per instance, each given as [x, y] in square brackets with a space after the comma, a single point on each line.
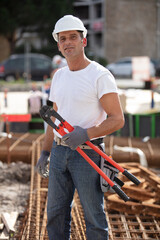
[49, 136]
[108, 126]
[48, 140]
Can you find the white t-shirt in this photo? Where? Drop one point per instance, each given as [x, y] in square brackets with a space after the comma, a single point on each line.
[77, 94]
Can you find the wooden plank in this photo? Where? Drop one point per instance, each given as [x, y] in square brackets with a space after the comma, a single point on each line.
[1, 226]
[138, 194]
[18, 141]
[2, 139]
[146, 172]
[9, 220]
[4, 235]
[154, 181]
[152, 207]
[114, 202]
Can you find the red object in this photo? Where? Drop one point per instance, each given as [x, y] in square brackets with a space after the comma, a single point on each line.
[46, 112]
[60, 130]
[16, 117]
[2, 69]
[98, 26]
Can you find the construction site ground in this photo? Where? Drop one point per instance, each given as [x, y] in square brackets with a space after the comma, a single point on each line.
[25, 192]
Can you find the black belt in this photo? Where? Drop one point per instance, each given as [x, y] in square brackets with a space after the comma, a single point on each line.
[97, 141]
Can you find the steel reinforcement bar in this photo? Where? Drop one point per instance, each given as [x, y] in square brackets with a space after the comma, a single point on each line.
[122, 226]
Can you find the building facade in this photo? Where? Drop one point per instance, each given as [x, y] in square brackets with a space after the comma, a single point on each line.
[116, 28]
[93, 15]
[120, 28]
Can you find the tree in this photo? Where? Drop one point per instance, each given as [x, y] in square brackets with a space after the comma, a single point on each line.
[31, 16]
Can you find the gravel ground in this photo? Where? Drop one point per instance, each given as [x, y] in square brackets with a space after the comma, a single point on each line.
[14, 186]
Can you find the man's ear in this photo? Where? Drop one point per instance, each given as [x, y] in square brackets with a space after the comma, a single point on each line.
[84, 41]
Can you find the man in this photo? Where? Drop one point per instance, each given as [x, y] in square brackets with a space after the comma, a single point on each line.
[59, 61]
[83, 93]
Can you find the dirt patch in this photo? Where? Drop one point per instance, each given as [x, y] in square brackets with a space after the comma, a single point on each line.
[14, 186]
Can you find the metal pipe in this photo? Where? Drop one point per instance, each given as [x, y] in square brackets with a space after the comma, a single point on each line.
[142, 157]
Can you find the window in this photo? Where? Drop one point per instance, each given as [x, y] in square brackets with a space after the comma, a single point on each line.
[40, 64]
[81, 12]
[98, 39]
[98, 10]
[16, 64]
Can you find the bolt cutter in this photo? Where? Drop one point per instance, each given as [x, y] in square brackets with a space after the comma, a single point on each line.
[47, 112]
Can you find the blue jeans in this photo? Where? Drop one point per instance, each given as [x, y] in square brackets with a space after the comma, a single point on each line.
[69, 170]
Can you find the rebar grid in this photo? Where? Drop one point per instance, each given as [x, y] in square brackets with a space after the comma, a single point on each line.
[132, 227]
[122, 226]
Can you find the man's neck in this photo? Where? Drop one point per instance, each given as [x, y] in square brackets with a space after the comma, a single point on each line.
[78, 64]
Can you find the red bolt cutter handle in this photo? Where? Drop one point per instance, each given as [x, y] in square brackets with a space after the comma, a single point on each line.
[116, 165]
[46, 112]
[65, 124]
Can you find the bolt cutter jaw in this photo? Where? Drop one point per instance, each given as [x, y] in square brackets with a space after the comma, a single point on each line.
[46, 113]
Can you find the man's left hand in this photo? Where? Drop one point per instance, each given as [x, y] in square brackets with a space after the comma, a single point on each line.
[75, 138]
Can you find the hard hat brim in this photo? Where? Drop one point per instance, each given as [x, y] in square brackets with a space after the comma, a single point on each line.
[55, 34]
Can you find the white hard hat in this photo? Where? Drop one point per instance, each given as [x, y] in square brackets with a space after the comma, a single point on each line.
[68, 23]
[56, 59]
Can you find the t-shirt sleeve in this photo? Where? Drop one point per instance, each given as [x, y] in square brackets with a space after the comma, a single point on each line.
[106, 84]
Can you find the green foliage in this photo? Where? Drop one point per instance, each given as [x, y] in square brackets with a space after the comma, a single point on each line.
[9, 10]
[31, 16]
[49, 50]
[101, 60]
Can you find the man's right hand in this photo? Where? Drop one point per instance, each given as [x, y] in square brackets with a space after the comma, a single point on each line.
[42, 164]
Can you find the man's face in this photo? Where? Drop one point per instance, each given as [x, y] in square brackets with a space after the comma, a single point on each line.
[70, 43]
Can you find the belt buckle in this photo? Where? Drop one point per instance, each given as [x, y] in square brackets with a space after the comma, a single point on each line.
[57, 140]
